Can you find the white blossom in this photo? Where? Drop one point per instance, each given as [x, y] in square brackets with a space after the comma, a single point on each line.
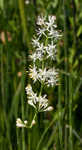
[40, 32]
[45, 49]
[27, 2]
[38, 102]
[50, 108]
[50, 76]
[25, 121]
[28, 89]
[51, 22]
[35, 42]
[41, 20]
[53, 34]
[33, 73]
[20, 124]
[51, 51]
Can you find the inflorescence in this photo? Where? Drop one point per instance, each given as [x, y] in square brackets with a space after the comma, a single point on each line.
[44, 54]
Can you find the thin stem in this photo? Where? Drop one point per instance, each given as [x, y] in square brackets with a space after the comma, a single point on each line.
[23, 21]
[74, 22]
[34, 118]
[66, 70]
[2, 4]
[22, 103]
[59, 110]
[70, 114]
[3, 100]
[46, 130]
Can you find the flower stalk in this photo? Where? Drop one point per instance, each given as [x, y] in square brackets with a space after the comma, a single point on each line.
[41, 70]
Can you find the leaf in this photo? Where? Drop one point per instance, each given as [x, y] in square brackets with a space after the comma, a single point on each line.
[79, 32]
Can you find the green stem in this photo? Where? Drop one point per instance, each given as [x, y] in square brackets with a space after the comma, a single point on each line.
[23, 21]
[3, 101]
[34, 118]
[66, 70]
[22, 105]
[2, 4]
[70, 114]
[59, 110]
[44, 133]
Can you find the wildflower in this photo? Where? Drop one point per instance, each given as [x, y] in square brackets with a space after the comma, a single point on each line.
[41, 32]
[35, 42]
[28, 89]
[20, 124]
[50, 76]
[42, 74]
[51, 22]
[51, 51]
[33, 73]
[41, 20]
[26, 1]
[53, 34]
[25, 121]
[45, 48]
[38, 102]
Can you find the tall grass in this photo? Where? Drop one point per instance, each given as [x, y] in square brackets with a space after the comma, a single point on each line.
[66, 70]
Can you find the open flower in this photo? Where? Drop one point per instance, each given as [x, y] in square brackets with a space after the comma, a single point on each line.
[33, 73]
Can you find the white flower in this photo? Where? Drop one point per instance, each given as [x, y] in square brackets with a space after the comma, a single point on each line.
[28, 89]
[41, 32]
[33, 57]
[51, 22]
[50, 108]
[38, 102]
[41, 20]
[38, 55]
[43, 104]
[20, 124]
[26, 1]
[35, 42]
[53, 34]
[51, 77]
[42, 74]
[33, 73]
[51, 51]
[40, 47]
[25, 121]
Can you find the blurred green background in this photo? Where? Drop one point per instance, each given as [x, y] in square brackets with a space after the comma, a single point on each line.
[60, 129]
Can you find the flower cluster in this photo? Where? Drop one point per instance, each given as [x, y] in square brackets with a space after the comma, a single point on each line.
[38, 102]
[45, 50]
[48, 76]
[47, 28]
[44, 53]
[24, 124]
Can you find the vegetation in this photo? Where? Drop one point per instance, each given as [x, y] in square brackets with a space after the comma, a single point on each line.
[61, 128]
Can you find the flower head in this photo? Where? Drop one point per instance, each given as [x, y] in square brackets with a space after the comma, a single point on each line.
[38, 102]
